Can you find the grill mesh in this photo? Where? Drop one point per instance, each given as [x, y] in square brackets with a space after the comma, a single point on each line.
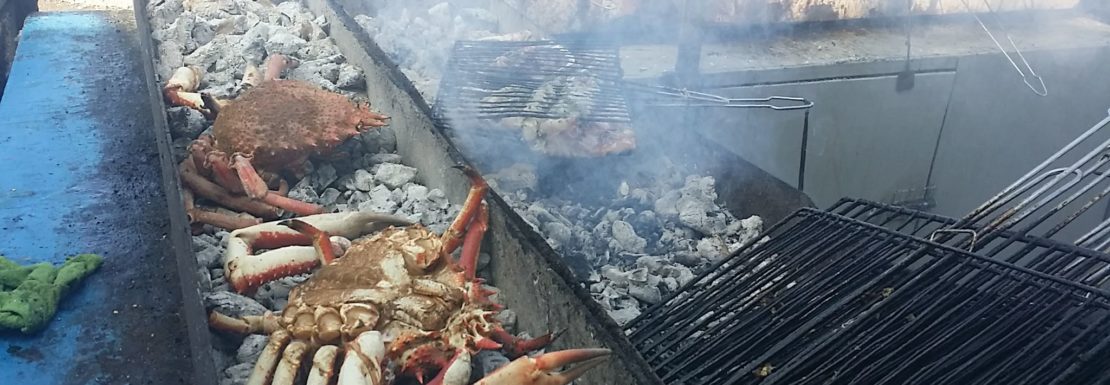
[537, 79]
[834, 300]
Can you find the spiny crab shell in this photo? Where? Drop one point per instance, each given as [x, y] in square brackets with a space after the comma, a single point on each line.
[269, 131]
[396, 299]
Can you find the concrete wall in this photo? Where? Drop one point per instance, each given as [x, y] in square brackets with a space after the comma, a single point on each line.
[867, 140]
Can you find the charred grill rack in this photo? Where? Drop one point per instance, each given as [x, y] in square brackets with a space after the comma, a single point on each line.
[829, 299]
[500, 79]
[867, 293]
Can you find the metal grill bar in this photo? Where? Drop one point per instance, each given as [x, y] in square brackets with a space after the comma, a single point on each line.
[1050, 198]
[1046, 255]
[536, 79]
[833, 300]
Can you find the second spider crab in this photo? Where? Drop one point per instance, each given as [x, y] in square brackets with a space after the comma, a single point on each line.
[394, 305]
[257, 139]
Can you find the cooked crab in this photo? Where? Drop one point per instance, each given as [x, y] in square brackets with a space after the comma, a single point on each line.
[271, 129]
[396, 299]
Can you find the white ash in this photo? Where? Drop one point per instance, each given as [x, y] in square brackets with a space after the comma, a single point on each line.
[222, 38]
[419, 39]
[646, 244]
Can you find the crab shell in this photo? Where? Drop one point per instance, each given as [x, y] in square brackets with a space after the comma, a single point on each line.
[281, 123]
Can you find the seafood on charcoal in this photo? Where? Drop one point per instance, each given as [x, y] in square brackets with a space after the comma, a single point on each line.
[558, 118]
[395, 305]
[268, 132]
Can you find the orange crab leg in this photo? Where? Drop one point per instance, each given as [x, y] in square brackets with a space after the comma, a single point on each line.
[224, 175]
[478, 187]
[248, 179]
[514, 347]
[473, 242]
[320, 239]
[540, 370]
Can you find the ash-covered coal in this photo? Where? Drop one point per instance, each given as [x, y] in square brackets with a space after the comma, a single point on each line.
[418, 36]
[638, 245]
[223, 37]
[633, 244]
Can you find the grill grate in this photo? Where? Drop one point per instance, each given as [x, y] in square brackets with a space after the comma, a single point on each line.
[833, 300]
[1052, 197]
[1046, 255]
[536, 79]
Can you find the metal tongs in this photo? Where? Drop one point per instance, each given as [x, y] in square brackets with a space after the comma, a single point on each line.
[690, 98]
[1042, 91]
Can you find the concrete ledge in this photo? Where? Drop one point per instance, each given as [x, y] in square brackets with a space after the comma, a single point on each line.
[12, 14]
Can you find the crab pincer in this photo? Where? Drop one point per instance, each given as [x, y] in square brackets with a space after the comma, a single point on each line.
[539, 370]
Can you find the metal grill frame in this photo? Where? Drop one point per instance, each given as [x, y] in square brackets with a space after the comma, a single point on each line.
[848, 321]
[471, 75]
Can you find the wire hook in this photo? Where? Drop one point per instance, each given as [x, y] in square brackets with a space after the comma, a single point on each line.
[1043, 90]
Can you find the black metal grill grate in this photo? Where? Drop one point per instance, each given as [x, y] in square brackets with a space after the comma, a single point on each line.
[538, 79]
[833, 300]
[1076, 263]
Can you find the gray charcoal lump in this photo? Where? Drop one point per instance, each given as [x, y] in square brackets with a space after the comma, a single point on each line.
[649, 242]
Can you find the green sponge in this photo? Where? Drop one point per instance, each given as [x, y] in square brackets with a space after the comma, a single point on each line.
[29, 295]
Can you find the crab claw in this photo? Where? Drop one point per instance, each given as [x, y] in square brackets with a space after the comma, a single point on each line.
[291, 251]
[539, 370]
[180, 89]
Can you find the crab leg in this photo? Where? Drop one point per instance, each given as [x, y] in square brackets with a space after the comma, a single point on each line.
[514, 347]
[473, 242]
[180, 89]
[214, 192]
[539, 370]
[453, 237]
[290, 363]
[263, 371]
[457, 372]
[255, 187]
[323, 365]
[290, 252]
[266, 323]
[362, 364]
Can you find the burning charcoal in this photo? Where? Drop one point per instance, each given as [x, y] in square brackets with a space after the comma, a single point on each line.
[712, 249]
[315, 71]
[624, 315]
[416, 192]
[667, 205]
[304, 192]
[238, 374]
[321, 177]
[251, 348]
[350, 77]
[204, 278]
[385, 158]
[363, 180]
[507, 318]
[233, 305]
[208, 256]
[203, 33]
[625, 238]
[284, 43]
[217, 273]
[670, 283]
[558, 233]
[381, 140]
[186, 122]
[680, 273]
[380, 201]
[329, 197]
[483, 260]
[274, 294]
[438, 199]
[647, 293]
[516, 177]
[394, 175]
[488, 361]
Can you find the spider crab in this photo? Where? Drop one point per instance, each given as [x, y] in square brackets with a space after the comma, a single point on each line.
[271, 128]
[395, 305]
